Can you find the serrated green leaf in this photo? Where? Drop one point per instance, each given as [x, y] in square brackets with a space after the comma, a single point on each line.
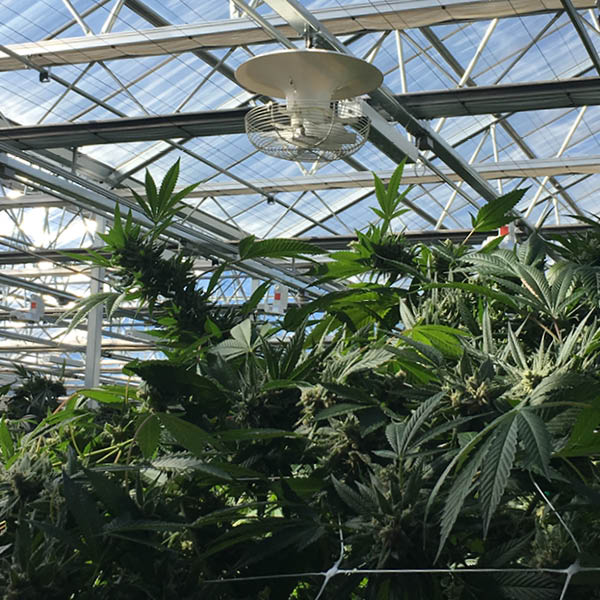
[250, 247]
[406, 315]
[527, 586]
[568, 346]
[535, 438]
[152, 195]
[6, 441]
[112, 494]
[482, 290]
[394, 183]
[168, 184]
[516, 350]
[183, 193]
[417, 419]
[486, 328]
[215, 278]
[491, 245]
[83, 307]
[113, 302]
[147, 434]
[565, 385]
[91, 256]
[257, 296]
[440, 337]
[462, 455]
[83, 508]
[536, 283]
[498, 212]
[249, 435]
[353, 499]
[102, 395]
[394, 433]
[184, 463]
[431, 354]
[497, 465]
[343, 408]
[584, 439]
[190, 436]
[381, 194]
[116, 232]
[145, 206]
[461, 487]
[187, 462]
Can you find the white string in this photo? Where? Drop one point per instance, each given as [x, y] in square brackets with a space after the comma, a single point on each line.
[547, 500]
[333, 571]
[570, 571]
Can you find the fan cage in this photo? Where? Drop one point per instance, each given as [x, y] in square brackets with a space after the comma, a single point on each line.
[308, 130]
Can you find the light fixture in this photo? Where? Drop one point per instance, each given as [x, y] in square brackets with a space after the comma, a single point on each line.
[321, 118]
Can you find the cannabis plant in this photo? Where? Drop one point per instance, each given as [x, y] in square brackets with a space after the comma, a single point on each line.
[427, 431]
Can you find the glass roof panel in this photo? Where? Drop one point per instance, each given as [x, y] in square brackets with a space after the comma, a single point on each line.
[524, 49]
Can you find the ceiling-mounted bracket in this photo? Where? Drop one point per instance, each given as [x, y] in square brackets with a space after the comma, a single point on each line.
[424, 143]
[6, 172]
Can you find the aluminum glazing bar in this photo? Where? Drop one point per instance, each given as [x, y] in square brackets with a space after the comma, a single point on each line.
[37, 288]
[412, 175]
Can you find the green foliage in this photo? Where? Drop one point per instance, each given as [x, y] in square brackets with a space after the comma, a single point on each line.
[250, 247]
[419, 409]
[161, 205]
[498, 212]
[34, 397]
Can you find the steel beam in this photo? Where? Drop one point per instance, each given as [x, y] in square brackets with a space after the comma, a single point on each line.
[341, 242]
[429, 236]
[30, 201]
[422, 105]
[515, 169]
[412, 175]
[38, 288]
[491, 99]
[131, 129]
[4, 333]
[378, 15]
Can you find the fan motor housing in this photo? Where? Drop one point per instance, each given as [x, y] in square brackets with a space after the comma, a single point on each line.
[321, 119]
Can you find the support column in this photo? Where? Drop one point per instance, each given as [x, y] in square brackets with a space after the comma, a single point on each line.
[94, 326]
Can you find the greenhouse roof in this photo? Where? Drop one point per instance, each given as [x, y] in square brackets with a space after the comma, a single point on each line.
[481, 96]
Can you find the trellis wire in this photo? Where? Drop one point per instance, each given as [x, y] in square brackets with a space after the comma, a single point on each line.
[334, 570]
[570, 571]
